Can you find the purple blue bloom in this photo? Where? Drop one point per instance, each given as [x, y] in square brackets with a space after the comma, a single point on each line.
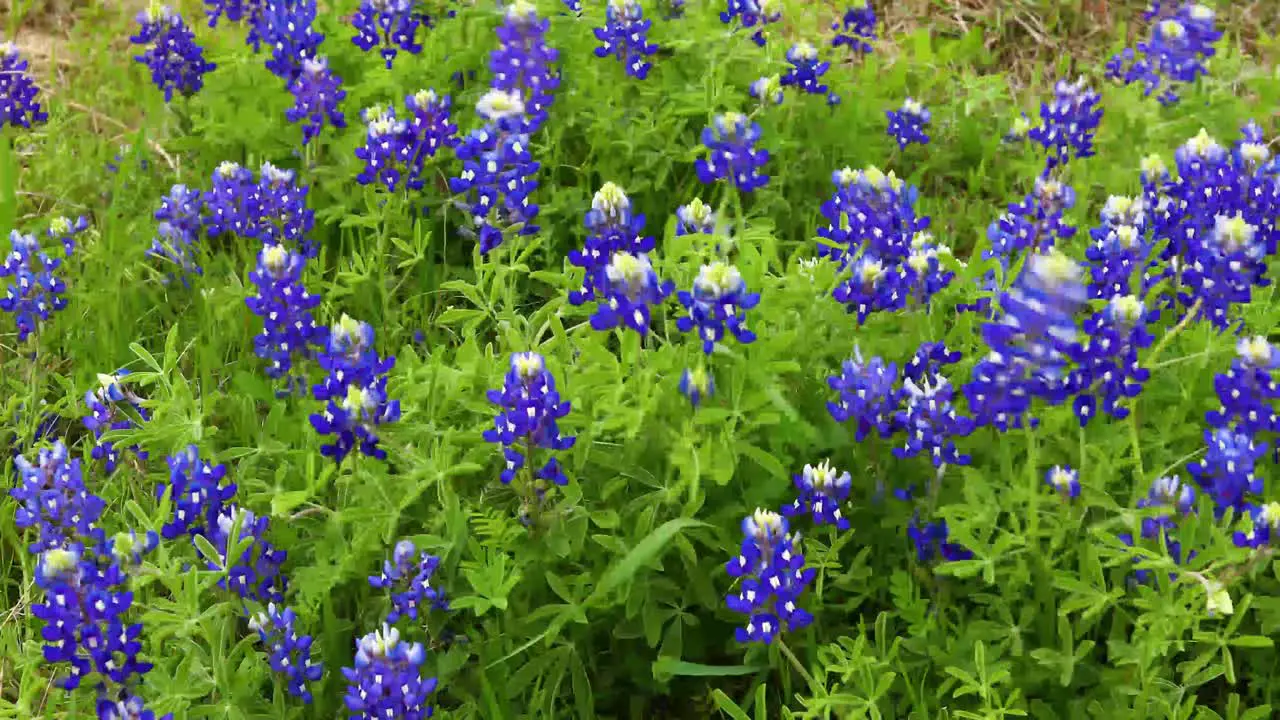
[1064, 481]
[624, 37]
[932, 540]
[64, 230]
[53, 499]
[289, 331]
[1068, 122]
[386, 680]
[175, 60]
[107, 412]
[773, 576]
[752, 14]
[732, 154]
[1176, 53]
[18, 104]
[806, 70]
[289, 653]
[397, 150]
[316, 91]
[355, 392]
[868, 396]
[857, 28]
[530, 408]
[716, 304]
[697, 384]
[611, 229]
[907, 124]
[181, 223]
[822, 489]
[35, 290]
[407, 575]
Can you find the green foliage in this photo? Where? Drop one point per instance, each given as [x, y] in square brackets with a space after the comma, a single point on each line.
[610, 604]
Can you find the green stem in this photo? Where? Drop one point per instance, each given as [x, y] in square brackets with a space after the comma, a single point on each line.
[1033, 481]
[1135, 442]
[1173, 332]
[795, 663]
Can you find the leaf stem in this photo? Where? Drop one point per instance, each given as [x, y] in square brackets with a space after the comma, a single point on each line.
[795, 663]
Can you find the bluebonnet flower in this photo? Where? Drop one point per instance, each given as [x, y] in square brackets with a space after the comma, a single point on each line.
[1174, 500]
[930, 359]
[611, 229]
[53, 499]
[316, 93]
[717, 302]
[285, 306]
[1035, 224]
[1226, 473]
[196, 493]
[1064, 481]
[272, 209]
[630, 288]
[1119, 247]
[773, 579]
[1263, 526]
[106, 412]
[806, 70]
[697, 384]
[869, 396]
[289, 652]
[397, 149]
[530, 407]
[750, 14]
[1182, 40]
[822, 490]
[175, 60]
[386, 680]
[856, 28]
[767, 90]
[18, 104]
[84, 610]
[180, 223]
[391, 26]
[254, 574]
[624, 37]
[1068, 122]
[574, 6]
[355, 391]
[65, 231]
[694, 218]
[497, 172]
[125, 705]
[930, 423]
[521, 63]
[1030, 343]
[932, 540]
[1108, 364]
[907, 124]
[407, 575]
[287, 28]
[250, 12]
[1248, 390]
[34, 291]
[732, 154]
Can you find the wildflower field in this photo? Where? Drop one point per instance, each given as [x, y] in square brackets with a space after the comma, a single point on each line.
[653, 359]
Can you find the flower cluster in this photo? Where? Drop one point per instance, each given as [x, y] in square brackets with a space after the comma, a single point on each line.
[716, 304]
[250, 12]
[175, 60]
[355, 392]
[611, 229]
[1068, 122]
[389, 25]
[1217, 224]
[806, 70]
[907, 124]
[181, 221]
[287, 28]
[868, 396]
[497, 172]
[397, 150]
[624, 36]
[774, 577]
[857, 28]
[630, 288]
[386, 680]
[931, 423]
[288, 652]
[407, 575]
[53, 499]
[1226, 473]
[272, 208]
[873, 231]
[521, 63]
[752, 14]
[1167, 502]
[530, 408]
[107, 411]
[285, 306]
[1248, 390]
[822, 490]
[1181, 41]
[933, 539]
[316, 93]
[35, 291]
[18, 104]
[732, 154]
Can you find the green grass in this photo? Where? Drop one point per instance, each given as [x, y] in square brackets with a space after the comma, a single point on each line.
[614, 607]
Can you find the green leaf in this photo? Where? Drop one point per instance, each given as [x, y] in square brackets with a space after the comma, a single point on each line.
[665, 667]
[1252, 641]
[640, 555]
[728, 706]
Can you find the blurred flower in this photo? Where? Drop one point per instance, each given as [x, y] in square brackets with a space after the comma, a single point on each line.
[53, 499]
[316, 93]
[390, 25]
[175, 60]
[1176, 53]
[34, 291]
[716, 303]
[856, 28]
[731, 153]
[106, 412]
[18, 91]
[408, 577]
[1226, 473]
[386, 680]
[181, 221]
[249, 12]
[822, 490]
[869, 396]
[1107, 362]
[907, 124]
[1248, 390]
[289, 653]
[286, 27]
[806, 70]
[1064, 481]
[767, 90]
[64, 230]
[255, 574]
[624, 37]
[932, 539]
[522, 62]
[752, 13]
[1068, 122]
[697, 384]
[930, 423]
